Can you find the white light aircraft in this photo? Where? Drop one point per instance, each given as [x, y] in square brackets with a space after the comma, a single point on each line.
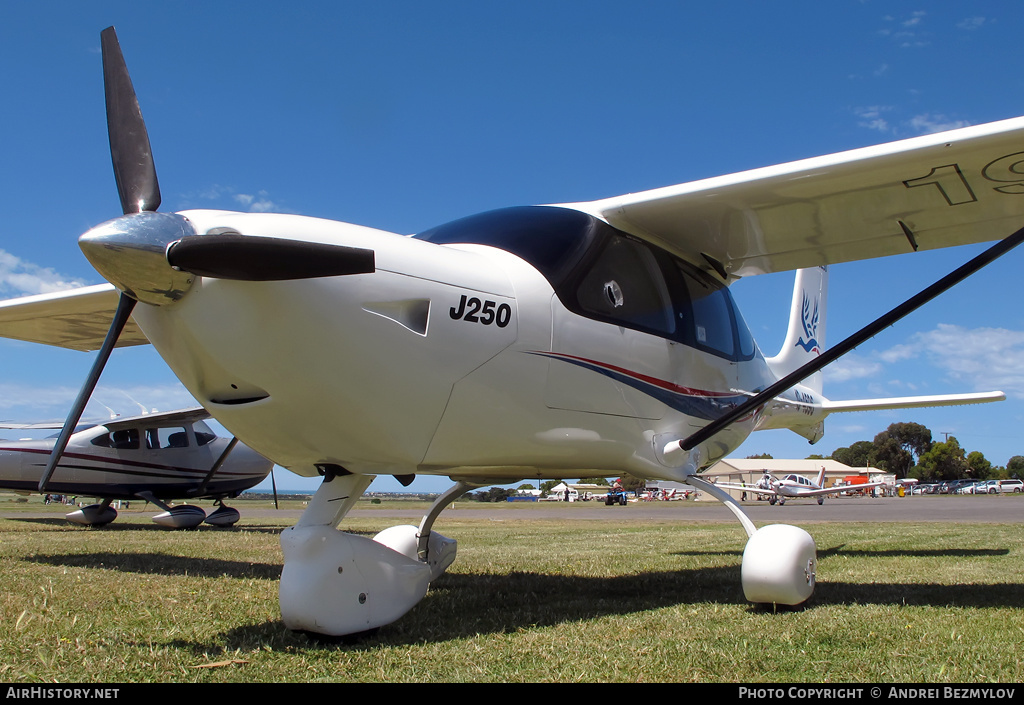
[794, 485]
[566, 341]
[157, 457]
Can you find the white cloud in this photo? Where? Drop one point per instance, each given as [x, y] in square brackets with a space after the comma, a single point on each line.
[20, 277]
[229, 197]
[971, 23]
[871, 117]
[983, 359]
[28, 403]
[849, 367]
[987, 358]
[927, 124]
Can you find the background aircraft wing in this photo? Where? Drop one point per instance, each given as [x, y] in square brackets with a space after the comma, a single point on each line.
[833, 407]
[746, 488]
[76, 319]
[940, 190]
[181, 416]
[840, 488]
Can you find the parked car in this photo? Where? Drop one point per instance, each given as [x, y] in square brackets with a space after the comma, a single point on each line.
[987, 487]
[967, 487]
[1011, 486]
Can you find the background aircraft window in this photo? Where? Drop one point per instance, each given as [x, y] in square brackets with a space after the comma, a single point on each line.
[203, 433]
[166, 438]
[625, 284]
[126, 439]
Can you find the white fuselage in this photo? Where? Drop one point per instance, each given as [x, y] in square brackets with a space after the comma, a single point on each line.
[455, 359]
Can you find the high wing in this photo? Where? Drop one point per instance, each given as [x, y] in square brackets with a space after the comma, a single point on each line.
[940, 190]
[76, 319]
[181, 416]
[951, 188]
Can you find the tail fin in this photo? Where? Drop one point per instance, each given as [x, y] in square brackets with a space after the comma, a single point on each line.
[805, 339]
[820, 480]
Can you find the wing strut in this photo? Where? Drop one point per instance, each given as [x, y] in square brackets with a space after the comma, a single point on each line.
[125, 304]
[201, 490]
[868, 331]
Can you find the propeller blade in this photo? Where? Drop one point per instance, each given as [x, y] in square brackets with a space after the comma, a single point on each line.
[125, 304]
[130, 152]
[868, 331]
[246, 258]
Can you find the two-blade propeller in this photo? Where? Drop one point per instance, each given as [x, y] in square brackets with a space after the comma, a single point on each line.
[148, 256]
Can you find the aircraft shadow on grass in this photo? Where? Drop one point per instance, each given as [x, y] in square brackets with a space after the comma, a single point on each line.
[62, 524]
[510, 602]
[878, 553]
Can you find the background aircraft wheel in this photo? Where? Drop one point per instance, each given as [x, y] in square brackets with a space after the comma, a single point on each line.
[92, 515]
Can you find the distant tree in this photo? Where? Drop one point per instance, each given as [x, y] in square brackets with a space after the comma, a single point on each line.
[760, 456]
[526, 486]
[546, 486]
[494, 494]
[898, 447]
[889, 455]
[1015, 466]
[859, 455]
[632, 484]
[944, 461]
[815, 456]
[978, 466]
[594, 481]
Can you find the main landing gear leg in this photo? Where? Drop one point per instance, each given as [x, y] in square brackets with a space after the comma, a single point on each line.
[422, 543]
[779, 561]
[335, 583]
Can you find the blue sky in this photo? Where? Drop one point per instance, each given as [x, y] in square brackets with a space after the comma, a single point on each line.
[404, 115]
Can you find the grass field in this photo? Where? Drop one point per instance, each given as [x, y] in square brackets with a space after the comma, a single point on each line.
[536, 600]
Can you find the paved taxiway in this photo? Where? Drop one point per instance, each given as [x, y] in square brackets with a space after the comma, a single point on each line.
[966, 509]
[938, 508]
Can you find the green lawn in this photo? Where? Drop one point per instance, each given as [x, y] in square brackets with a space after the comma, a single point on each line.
[535, 600]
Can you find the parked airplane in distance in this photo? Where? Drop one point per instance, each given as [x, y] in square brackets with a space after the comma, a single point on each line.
[156, 457]
[794, 485]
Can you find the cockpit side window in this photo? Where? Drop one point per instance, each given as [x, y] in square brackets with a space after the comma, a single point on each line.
[709, 318]
[625, 284]
[712, 322]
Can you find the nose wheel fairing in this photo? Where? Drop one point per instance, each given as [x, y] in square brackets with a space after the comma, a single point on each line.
[335, 583]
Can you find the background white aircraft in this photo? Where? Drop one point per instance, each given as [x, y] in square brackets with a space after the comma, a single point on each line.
[533, 342]
[157, 457]
[794, 485]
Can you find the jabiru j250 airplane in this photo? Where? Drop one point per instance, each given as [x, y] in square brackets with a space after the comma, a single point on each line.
[551, 341]
[157, 457]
